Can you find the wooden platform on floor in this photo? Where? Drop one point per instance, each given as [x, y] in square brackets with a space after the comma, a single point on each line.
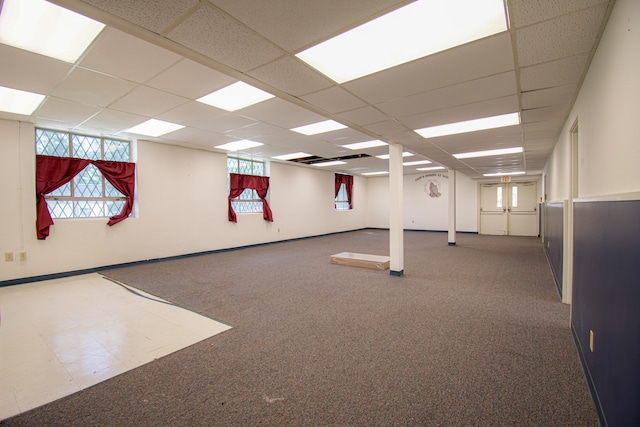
[377, 262]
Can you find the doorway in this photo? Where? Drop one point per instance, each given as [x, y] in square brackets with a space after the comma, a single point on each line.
[509, 208]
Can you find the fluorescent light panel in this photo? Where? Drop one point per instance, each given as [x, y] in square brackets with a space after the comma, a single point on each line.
[290, 156]
[486, 153]
[242, 144]
[417, 162]
[376, 173]
[319, 127]
[504, 173]
[386, 156]
[331, 163]
[153, 127]
[414, 31]
[433, 168]
[46, 29]
[18, 101]
[365, 144]
[484, 123]
[235, 96]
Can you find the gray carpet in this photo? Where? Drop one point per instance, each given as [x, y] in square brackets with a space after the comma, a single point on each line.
[472, 334]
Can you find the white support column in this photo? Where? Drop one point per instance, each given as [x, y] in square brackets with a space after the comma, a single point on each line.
[452, 207]
[396, 240]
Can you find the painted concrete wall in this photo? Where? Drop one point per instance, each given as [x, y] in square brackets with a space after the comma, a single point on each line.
[181, 208]
[426, 198]
[606, 112]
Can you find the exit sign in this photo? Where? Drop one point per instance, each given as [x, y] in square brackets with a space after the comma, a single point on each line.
[505, 179]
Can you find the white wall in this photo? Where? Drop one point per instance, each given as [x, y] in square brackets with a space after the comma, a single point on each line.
[607, 114]
[181, 206]
[423, 210]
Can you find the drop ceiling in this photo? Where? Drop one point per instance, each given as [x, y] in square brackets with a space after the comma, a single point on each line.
[156, 57]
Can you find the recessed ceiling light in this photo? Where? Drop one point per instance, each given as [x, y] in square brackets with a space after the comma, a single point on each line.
[484, 123]
[433, 168]
[18, 101]
[242, 144]
[331, 163]
[319, 127]
[153, 127]
[488, 153]
[386, 156]
[235, 96]
[365, 144]
[419, 29]
[46, 29]
[376, 173]
[504, 173]
[290, 156]
[417, 162]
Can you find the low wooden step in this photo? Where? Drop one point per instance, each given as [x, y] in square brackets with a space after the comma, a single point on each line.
[377, 262]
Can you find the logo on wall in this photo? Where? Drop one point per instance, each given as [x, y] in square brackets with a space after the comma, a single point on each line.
[432, 185]
[432, 188]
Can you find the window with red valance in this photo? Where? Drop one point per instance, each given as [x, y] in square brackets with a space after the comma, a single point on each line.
[238, 183]
[343, 192]
[82, 176]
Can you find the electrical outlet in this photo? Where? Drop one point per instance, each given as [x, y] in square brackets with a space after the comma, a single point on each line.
[23, 256]
[591, 341]
[8, 256]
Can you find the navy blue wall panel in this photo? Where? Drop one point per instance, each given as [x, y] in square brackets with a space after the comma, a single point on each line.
[553, 229]
[606, 300]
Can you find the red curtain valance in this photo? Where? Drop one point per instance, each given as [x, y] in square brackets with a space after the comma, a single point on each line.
[239, 182]
[54, 172]
[347, 180]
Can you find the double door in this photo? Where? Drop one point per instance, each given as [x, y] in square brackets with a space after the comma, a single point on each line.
[509, 208]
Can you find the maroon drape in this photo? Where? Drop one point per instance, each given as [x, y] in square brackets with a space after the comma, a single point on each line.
[53, 172]
[123, 177]
[347, 180]
[238, 183]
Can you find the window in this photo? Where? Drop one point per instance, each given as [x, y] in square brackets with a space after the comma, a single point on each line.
[342, 202]
[88, 194]
[499, 196]
[514, 197]
[343, 192]
[248, 201]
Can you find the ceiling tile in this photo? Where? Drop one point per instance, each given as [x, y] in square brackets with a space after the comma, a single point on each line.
[190, 79]
[550, 96]
[364, 116]
[291, 76]
[90, 87]
[556, 73]
[474, 60]
[30, 72]
[527, 12]
[281, 113]
[334, 100]
[154, 15]
[147, 101]
[216, 35]
[495, 86]
[545, 113]
[111, 122]
[486, 108]
[67, 113]
[139, 62]
[567, 35]
[295, 24]
[194, 114]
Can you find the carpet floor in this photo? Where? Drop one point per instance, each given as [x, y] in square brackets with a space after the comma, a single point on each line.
[472, 334]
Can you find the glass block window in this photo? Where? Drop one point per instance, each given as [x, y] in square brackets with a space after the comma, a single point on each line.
[342, 202]
[248, 201]
[88, 195]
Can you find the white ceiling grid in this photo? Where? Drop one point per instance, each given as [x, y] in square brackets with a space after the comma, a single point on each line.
[156, 57]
